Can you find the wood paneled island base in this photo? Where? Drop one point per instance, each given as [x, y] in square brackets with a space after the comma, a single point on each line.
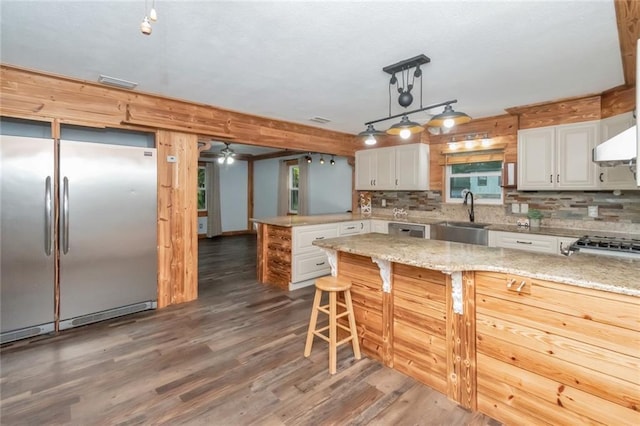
[533, 353]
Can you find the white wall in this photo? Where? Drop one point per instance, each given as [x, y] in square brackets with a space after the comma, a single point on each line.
[329, 186]
[233, 196]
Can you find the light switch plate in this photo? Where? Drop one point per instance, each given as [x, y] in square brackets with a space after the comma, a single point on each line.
[592, 211]
[524, 208]
[515, 208]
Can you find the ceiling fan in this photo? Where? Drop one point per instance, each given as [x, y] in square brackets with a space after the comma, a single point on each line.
[226, 155]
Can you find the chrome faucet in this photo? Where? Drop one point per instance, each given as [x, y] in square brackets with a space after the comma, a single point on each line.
[471, 212]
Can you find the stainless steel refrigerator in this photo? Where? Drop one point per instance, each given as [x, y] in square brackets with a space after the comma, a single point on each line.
[100, 230]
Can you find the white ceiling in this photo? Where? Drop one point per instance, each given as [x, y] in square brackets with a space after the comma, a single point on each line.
[296, 60]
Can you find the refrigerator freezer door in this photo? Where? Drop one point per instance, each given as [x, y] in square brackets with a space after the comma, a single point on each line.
[26, 233]
[108, 255]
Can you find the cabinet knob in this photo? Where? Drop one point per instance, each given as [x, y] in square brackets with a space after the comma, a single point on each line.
[511, 282]
[521, 286]
[601, 180]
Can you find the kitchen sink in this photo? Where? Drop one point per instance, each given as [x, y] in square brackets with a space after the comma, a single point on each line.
[474, 225]
[461, 232]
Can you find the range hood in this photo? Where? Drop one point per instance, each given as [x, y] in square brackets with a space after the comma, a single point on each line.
[620, 149]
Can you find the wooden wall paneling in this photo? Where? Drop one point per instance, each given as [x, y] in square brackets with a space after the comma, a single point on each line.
[36, 95]
[368, 299]
[502, 129]
[277, 260]
[177, 218]
[261, 253]
[461, 354]
[249, 195]
[565, 111]
[618, 101]
[419, 325]
[628, 20]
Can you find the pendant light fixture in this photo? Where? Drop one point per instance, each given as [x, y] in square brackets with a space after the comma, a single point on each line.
[370, 135]
[448, 118]
[404, 81]
[332, 162]
[145, 26]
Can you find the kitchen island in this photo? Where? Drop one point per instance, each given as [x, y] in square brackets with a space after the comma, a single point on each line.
[522, 337]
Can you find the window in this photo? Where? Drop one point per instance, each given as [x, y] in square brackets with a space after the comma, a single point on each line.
[293, 184]
[482, 179]
[202, 188]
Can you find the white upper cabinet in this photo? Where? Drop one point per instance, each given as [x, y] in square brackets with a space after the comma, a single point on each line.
[536, 158]
[397, 168]
[618, 177]
[558, 157]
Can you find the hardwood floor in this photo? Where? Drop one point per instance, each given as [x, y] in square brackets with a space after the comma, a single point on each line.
[233, 357]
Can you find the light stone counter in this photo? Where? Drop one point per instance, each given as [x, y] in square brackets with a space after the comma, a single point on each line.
[292, 221]
[583, 270]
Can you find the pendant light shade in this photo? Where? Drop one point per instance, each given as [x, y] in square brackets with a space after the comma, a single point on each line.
[448, 118]
[370, 135]
[405, 128]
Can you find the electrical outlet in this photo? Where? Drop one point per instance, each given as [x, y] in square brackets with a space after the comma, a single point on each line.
[515, 208]
[383, 203]
[592, 211]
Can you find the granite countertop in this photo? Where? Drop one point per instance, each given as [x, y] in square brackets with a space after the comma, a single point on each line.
[584, 270]
[291, 221]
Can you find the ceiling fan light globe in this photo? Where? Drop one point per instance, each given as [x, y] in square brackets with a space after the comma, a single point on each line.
[220, 160]
[230, 160]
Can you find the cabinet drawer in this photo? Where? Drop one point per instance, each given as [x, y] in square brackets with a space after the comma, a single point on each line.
[309, 266]
[532, 242]
[352, 228]
[303, 237]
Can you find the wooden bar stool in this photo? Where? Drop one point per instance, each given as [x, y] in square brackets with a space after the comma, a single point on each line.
[333, 285]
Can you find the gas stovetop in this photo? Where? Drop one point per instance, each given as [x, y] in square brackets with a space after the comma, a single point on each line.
[614, 246]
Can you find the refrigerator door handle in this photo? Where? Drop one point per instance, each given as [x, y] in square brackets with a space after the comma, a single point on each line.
[65, 215]
[48, 219]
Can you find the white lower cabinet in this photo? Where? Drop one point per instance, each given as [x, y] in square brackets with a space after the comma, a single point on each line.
[308, 266]
[380, 226]
[529, 242]
[308, 261]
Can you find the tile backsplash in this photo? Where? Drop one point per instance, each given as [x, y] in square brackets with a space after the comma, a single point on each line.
[560, 209]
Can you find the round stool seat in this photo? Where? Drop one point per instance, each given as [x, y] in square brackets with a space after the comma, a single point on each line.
[332, 284]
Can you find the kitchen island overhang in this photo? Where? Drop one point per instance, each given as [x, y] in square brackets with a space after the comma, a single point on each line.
[519, 336]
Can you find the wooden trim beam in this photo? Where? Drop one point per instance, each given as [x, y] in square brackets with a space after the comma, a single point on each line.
[628, 20]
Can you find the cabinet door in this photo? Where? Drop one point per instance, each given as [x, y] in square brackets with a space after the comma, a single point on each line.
[385, 178]
[412, 167]
[574, 144]
[536, 158]
[365, 169]
[618, 177]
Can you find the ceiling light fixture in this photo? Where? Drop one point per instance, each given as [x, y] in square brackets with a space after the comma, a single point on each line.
[308, 158]
[321, 159]
[404, 85]
[116, 82]
[226, 155]
[370, 134]
[332, 162]
[145, 26]
[153, 15]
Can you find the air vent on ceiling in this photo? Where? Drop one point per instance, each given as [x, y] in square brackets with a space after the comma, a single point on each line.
[116, 82]
[320, 120]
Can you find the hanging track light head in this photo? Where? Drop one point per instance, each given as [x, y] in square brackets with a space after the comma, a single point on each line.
[448, 118]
